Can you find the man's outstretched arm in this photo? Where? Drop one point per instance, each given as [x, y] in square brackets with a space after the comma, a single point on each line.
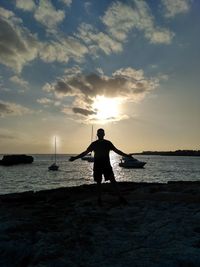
[84, 153]
[119, 152]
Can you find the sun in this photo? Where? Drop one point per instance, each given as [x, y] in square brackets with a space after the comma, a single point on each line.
[106, 108]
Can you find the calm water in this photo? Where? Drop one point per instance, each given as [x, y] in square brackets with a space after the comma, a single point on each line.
[36, 176]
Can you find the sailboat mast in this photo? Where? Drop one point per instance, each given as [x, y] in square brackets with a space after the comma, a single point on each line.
[55, 149]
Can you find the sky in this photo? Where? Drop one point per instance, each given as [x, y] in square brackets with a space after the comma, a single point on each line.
[131, 67]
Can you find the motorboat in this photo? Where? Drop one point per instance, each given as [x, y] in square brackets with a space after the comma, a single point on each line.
[131, 162]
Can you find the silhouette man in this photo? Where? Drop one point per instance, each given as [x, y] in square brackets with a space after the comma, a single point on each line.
[102, 166]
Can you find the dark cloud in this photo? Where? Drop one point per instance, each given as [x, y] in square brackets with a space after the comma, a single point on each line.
[7, 136]
[123, 83]
[62, 87]
[84, 112]
[17, 45]
[7, 108]
[9, 36]
[4, 109]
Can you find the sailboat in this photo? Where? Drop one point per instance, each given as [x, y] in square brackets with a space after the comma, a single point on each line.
[54, 166]
[89, 156]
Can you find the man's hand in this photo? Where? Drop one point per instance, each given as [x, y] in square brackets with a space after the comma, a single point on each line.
[72, 158]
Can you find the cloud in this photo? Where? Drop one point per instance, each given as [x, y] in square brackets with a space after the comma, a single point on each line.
[47, 15]
[75, 70]
[97, 40]
[44, 12]
[12, 109]
[19, 81]
[66, 2]
[174, 7]
[127, 84]
[44, 101]
[6, 134]
[87, 6]
[62, 50]
[17, 45]
[26, 5]
[121, 18]
[159, 36]
[84, 112]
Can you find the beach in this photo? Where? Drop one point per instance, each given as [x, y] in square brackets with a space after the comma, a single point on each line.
[160, 226]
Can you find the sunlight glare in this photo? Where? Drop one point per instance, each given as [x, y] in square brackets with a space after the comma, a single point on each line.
[52, 141]
[106, 108]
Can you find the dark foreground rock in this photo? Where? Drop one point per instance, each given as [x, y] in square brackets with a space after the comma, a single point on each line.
[9, 160]
[160, 226]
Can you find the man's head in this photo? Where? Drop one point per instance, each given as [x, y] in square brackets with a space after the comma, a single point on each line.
[100, 133]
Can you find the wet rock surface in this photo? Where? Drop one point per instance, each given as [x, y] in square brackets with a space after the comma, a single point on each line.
[160, 226]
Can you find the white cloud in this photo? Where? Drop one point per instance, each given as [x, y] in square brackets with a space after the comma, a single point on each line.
[159, 36]
[98, 40]
[12, 109]
[19, 81]
[121, 18]
[47, 15]
[87, 6]
[44, 12]
[174, 7]
[26, 5]
[47, 87]
[44, 101]
[66, 2]
[63, 50]
[75, 70]
[17, 45]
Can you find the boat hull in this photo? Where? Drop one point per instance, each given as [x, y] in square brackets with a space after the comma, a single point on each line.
[138, 165]
[53, 168]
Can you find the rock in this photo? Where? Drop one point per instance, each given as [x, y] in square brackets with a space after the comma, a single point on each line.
[9, 160]
[65, 227]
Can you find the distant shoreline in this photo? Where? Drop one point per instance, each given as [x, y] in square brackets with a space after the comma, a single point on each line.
[190, 153]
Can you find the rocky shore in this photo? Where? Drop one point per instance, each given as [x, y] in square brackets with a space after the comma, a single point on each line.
[160, 226]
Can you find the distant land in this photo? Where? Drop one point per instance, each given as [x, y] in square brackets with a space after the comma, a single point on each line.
[193, 153]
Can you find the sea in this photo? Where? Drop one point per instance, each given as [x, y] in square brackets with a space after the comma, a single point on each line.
[36, 176]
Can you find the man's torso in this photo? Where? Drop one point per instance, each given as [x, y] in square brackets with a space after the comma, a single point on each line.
[101, 150]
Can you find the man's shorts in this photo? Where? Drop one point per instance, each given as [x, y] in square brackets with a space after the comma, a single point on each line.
[107, 172]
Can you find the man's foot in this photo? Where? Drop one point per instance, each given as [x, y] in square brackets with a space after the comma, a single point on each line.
[123, 201]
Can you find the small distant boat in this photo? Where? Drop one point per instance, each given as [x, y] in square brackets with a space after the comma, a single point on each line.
[54, 166]
[130, 162]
